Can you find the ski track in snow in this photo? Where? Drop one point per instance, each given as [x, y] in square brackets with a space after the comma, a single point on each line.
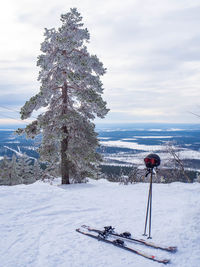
[38, 223]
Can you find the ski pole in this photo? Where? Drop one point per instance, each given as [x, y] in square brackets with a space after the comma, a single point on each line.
[147, 211]
[149, 237]
[149, 207]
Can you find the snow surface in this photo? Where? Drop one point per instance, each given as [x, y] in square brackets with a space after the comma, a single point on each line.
[38, 223]
[154, 137]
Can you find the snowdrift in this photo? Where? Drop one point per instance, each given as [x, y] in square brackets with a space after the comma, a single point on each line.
[38, 223]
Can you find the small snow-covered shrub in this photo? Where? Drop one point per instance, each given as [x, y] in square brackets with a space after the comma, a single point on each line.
[19, 170]
[197, 179]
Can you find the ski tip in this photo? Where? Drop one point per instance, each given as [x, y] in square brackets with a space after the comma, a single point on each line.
[166, 261]
[85, 226]
[79, 230]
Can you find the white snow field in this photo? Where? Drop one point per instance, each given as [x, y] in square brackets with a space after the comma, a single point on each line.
[38, 223]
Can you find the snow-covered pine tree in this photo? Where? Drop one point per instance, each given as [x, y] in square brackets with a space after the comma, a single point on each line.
[71, 91]
[5, 171]
[25, 170]
[37, 170]
[14, 177]
[9, 172]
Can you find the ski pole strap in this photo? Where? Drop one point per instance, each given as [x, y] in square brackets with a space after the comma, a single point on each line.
[147, 173]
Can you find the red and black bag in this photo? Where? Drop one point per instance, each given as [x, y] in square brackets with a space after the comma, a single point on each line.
[152, 160]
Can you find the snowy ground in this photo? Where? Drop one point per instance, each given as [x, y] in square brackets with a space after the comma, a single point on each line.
[38, 223]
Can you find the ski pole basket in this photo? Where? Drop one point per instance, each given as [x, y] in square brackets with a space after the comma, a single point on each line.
[152, 160]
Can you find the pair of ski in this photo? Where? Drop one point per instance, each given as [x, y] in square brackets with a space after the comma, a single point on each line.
[119, 242]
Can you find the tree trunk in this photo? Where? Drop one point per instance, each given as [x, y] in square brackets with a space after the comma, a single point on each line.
[64, 142]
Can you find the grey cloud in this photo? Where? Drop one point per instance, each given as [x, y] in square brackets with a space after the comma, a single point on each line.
[187, 51]
[187, 14]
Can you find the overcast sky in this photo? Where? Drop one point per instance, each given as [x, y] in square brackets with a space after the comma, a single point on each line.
[151, 49]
